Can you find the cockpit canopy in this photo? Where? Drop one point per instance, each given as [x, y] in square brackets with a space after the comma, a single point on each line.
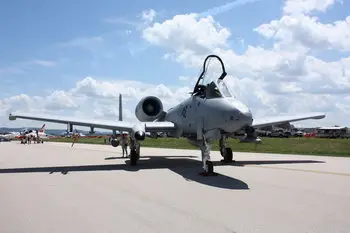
[210, 83]
[213, 90]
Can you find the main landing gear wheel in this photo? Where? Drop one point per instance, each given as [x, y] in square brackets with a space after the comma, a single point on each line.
[227, 154]
[134, 157]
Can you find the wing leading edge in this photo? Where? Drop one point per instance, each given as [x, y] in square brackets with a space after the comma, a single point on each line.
[284, 119]
[162, 126]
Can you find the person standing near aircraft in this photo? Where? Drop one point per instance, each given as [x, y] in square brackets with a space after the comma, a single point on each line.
[37, 137]
[75, 137]
[124, 144]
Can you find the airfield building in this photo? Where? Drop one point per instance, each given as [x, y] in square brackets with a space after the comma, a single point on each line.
[332, 132]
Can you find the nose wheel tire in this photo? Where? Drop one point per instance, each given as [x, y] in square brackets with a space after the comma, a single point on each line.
[134, 157]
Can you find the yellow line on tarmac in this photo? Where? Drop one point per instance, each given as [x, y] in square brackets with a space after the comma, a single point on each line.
[302, 170]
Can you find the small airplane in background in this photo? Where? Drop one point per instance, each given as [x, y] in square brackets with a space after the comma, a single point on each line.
[10, 135]
[33, 132]
[210, 113]
[26, 132]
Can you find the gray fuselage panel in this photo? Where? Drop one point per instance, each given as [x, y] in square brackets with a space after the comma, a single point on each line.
[212, 114]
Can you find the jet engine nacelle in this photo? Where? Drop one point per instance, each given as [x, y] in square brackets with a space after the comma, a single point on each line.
[115, 142]
[149, 108]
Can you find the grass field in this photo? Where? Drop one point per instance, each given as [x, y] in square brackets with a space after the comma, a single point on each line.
[307, 146]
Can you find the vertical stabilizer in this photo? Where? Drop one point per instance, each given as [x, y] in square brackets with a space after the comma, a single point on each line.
[120, 108]
[42, 129]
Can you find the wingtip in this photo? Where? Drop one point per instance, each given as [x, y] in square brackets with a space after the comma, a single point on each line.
[320, 116]
[12, 117]
[316, 115]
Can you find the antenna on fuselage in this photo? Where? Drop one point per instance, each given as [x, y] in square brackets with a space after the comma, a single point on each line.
[120, 113]
[120, 108]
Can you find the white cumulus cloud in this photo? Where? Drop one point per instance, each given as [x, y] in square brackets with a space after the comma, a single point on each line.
[309, 32]
[185, 32]
[306, 6]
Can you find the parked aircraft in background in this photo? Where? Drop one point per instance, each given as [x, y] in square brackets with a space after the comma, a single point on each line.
[211, 112]
[9, 136]
[26, 132]
[68, 134]
[33, 132]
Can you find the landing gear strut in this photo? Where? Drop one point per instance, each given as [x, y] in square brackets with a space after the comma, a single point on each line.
[226, 152]
[134, 151]
[207, 164]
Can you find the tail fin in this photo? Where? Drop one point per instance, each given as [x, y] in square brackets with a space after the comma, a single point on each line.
[120, 108]
[42, 130]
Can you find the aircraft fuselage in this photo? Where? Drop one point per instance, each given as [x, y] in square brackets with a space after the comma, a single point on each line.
[213, 115]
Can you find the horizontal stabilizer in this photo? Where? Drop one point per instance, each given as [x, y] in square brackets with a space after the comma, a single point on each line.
[274, 120]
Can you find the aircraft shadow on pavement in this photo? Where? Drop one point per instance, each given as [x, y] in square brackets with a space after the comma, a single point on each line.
[185, 166]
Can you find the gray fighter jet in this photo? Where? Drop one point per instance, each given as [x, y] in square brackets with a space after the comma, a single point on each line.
[210, 113]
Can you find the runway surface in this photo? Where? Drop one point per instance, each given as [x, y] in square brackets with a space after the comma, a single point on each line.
[52, 187]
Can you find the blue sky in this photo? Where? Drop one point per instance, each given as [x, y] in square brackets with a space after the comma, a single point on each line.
[36, 30]
[51, 45]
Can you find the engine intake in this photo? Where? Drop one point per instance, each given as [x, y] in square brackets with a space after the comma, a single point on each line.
[149, 108]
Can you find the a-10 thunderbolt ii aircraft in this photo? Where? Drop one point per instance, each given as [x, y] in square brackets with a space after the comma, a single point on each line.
[210, 113]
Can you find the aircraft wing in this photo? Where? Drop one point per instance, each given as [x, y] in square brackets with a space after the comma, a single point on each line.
[258, 123]
[162, 126]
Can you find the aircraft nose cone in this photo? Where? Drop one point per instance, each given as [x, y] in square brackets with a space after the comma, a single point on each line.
[247, 116]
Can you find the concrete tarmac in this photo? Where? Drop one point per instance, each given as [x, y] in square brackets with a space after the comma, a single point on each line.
[52, 187]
